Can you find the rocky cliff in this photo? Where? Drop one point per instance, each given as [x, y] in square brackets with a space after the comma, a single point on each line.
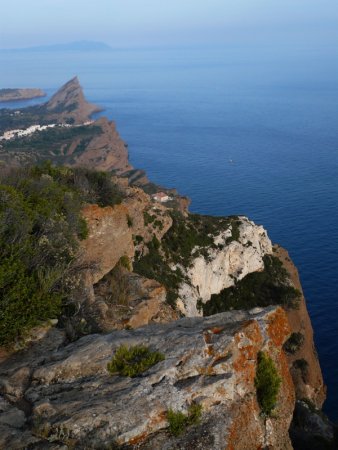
[144, 266]
[224, 264]
[74, 401]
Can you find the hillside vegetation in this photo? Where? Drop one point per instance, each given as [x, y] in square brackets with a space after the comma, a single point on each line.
[40, 229]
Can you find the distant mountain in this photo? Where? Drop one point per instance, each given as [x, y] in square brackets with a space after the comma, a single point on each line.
[82, 46]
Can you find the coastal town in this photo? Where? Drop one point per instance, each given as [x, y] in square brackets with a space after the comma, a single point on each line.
[12, 134]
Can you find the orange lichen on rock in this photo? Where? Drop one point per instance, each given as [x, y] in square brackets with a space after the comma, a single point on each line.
[278, 327]
[244, 419]
[248, 341]
[216, 330]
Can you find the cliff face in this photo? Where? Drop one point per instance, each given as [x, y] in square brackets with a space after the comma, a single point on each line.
[224, 264]
[74, 401]
[307, 377]
[105, 151]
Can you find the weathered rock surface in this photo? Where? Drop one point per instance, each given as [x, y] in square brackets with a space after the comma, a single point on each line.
[109, 238]
[211, 361]
[224, 265]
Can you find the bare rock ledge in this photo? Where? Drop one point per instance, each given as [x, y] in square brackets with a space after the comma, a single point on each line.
[75, 402]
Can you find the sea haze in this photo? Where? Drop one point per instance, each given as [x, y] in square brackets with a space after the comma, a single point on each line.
[240, 131]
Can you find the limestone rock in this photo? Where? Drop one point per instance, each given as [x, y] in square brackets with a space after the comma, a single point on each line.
[108, 240]
[224, 265]
[211, 361]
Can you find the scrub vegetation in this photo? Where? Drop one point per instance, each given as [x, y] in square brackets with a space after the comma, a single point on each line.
[269, 287]
[267, 382]
[40, 229]
[133, 361]
[178, 421]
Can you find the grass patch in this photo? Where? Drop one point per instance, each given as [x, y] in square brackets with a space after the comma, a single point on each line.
[178, 421]
[269, 287]
[133, 361]
[267, 382]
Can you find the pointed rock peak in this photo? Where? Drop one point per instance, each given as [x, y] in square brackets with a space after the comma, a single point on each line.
[69, 93]
[69, 100]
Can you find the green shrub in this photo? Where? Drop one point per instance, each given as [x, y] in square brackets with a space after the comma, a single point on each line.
[133, 361]
[40, 228]
[154, 266]
[179, 421]
[187, 238]
[235, 233]
[40, 224]
[294, 343]
[194, 413]
[267, 382]
[148, 218]
[269, 287]
[125, 262]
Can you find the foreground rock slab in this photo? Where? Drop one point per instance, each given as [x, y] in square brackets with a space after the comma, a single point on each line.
[75, 403]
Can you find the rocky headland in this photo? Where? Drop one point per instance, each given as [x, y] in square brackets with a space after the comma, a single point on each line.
[213, 304]
[11, 95]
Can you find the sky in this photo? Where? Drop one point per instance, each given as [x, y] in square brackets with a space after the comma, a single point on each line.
[130, 23]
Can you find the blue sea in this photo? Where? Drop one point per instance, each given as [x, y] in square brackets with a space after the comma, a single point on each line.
[240, 130]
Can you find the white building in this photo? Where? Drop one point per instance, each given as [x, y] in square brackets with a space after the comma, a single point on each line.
[161, 197]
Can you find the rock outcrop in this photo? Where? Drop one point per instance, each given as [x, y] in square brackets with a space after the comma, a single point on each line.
[109, 239]
[74, 401]
[69, 103]
[224, 264]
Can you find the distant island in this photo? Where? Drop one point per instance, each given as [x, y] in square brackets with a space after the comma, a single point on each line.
[9, 95]
[82, 46]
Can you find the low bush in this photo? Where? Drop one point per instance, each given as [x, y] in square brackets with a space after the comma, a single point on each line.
[294, 343]
[133, 361]
[303, 366]
[154, 266]
[178, 421]
[267, 382]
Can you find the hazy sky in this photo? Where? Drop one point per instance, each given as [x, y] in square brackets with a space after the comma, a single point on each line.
[124, 23]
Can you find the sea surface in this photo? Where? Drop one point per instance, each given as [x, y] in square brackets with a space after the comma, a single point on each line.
[240, 130]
